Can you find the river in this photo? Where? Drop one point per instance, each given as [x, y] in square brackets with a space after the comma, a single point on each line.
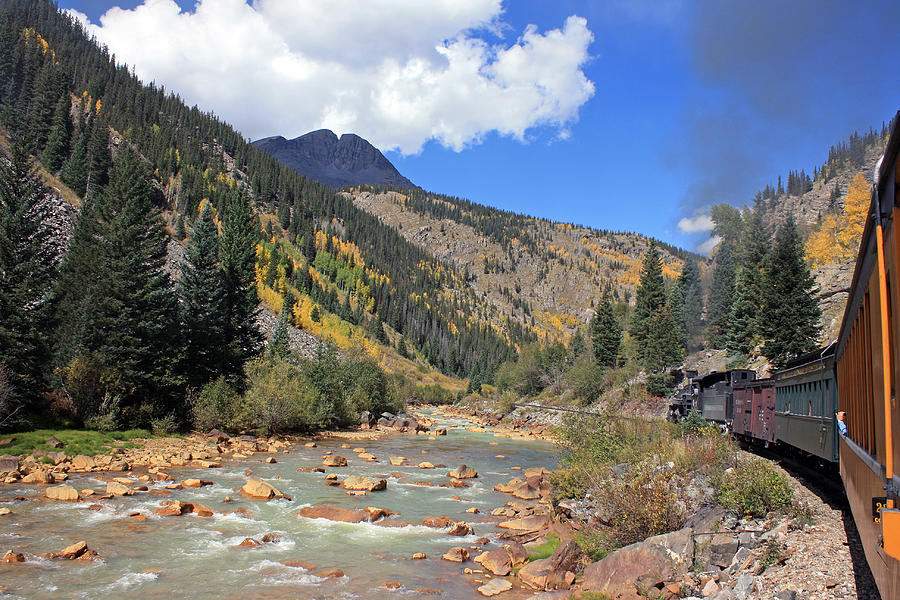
[198, 557]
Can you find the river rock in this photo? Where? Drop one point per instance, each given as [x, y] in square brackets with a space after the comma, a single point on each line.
[72, 552]
[38, 477]
[65, 493]
[173, 508]
[437, 522]
[419, 556]
[53, 442]
[397, 461]
[195, 483]
[555, 572]
[494, 587]
[334, 461]
[114, 488]
[363, 483]
[425, 465]
[249, 543]
[463, 472]
[518, 555]
[5, 511]
[531, 524]
[456, 555]
[83, 463]
[338, 513]
[460, 528]
[653, 561]
[331, 573]
[257, 488]
[12, 557]
[508, 488]
[496, 561]
[9, 464]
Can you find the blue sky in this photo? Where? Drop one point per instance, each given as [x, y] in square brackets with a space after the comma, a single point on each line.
[660, 108]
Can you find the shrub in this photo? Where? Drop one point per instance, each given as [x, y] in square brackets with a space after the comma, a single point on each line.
[106, 415]
[164, 426]
[278, 398]
[586, 380]
[694, 422]
[754, 487]
[506, 403]
[217, 406]
[642, 504]
[91, 385]
[593, 541]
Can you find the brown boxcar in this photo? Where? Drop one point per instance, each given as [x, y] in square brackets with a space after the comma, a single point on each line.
[868, 376]
[743, 410]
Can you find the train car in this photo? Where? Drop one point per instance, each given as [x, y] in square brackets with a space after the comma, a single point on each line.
[805, 405]
[868, 376]
[754, 407]
[715, 396]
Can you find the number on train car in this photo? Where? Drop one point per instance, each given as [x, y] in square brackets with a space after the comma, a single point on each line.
[877, 505]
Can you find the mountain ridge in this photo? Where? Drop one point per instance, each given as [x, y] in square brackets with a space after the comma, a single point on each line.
[334, 161]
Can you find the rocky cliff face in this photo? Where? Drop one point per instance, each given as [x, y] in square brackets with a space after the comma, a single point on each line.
[337, 162]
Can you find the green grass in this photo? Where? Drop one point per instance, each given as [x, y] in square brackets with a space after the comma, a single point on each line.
[77, 441]
[546, 549]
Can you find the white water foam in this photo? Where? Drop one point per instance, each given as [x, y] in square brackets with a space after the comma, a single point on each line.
[130, 580]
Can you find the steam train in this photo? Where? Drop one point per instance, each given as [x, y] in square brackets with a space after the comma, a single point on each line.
[793, 410]
[859, 374]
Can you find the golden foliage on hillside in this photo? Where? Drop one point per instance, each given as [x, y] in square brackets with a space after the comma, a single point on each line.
[837, 238]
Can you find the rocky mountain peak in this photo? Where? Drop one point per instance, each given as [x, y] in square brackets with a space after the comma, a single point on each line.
[335, 161]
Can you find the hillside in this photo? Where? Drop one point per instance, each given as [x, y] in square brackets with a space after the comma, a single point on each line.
[544, 275]
[335, 162]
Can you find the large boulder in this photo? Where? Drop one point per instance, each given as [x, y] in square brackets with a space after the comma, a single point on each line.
[257, 488]
[65, 493]
[173, 509]
[463, 472]
[532, 524]
[83, 463]
[456, 555]
[9, 464]
[38, 477]
[651, 562]
[497, 562]
[363, 483]
[555, 572]
[115, 488]
[12, 557]
[367, 419]
[334, 461]
[344, 515]
[460, 528]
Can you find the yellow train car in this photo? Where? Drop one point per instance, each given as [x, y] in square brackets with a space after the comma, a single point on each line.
[868, 373]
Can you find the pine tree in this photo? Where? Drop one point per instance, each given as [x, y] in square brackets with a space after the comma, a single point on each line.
[314, 313]
[99, 158]
[74, 169]
[743, 317]
[792, 313]
[692, 311]
[651, 295]
[117, 307]
[675, 304]
[663, 347]
[202, 303]
[237, 253]
[606, 334]
[27, 272]
[721, 293]
[57, 148]
[279, 345]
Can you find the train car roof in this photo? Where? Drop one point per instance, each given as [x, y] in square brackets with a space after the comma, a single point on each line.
[865, 259]
[822, 355]
[717, 376]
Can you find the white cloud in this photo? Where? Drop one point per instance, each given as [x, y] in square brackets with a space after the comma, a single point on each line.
[707, 246]
[397, 72]
[696, 224]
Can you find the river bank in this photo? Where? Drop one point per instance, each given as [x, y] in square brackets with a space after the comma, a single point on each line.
[145, 552]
